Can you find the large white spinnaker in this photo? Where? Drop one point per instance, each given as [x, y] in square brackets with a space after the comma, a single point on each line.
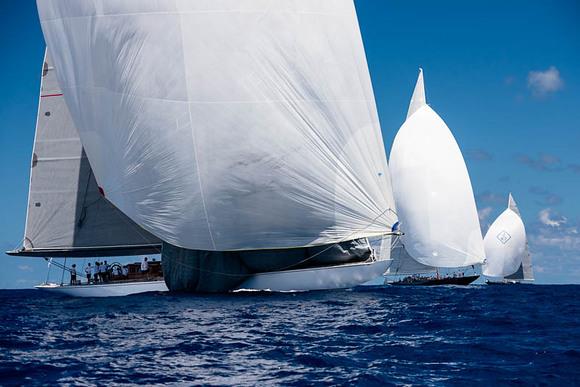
[505, 244]
[433, 191]
[226, 125]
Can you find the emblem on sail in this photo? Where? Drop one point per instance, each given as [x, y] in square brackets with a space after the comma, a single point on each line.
[504, 237]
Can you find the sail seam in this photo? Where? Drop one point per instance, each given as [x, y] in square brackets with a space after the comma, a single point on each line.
[195, 150]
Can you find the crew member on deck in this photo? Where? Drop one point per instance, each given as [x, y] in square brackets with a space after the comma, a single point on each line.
[102, 272]
[96, 272]
[73, 274]
[88, 272]
[106, 273]
[144, 266]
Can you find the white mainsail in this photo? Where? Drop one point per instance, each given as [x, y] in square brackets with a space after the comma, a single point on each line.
[506, 244]
[226, 125]
[433, 191]
[66, 215]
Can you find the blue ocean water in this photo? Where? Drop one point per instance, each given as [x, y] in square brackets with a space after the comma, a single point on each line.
[522, 335]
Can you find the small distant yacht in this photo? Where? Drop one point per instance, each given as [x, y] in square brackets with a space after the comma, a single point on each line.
[435, 201]
[506, 246]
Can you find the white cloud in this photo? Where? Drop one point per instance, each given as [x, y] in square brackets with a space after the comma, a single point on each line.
[484, 213]
[545, 82]
[25, 268]
[555, 249]
[563, 242]
[547, 219]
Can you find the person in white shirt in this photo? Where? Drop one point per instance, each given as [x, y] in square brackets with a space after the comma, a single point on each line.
[144, 266]
[125, 271]
[88, 272]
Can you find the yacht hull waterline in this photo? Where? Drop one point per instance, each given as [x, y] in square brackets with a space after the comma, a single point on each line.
[105, 290]
[507, 282]
[460, 281]
[322, 278]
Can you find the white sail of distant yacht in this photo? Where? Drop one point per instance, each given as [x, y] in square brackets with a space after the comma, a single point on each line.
[433, 191]
[242, 134]
[506, 247]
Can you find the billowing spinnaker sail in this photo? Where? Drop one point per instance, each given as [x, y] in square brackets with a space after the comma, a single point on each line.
[433, 191]
[225, 125]
[505, 244]
[67, 216]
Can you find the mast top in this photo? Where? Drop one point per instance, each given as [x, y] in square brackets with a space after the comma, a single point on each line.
[512, 205]
[418, 99]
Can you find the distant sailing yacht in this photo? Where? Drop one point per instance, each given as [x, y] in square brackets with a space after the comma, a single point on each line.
[434, 199]
[506, 247]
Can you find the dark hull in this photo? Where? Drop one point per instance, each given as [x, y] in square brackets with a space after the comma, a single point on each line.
[199, 271]
[502, 282]
[462, 281]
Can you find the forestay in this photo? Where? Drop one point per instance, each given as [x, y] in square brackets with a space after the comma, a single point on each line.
[505, 244]
[226, 125]
[67, 216]
[433, 191]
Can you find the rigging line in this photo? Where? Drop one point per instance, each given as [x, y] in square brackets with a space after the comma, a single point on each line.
[294, 264]
[19, 245]
[83, 214]
[48, 272]
[63, 269]
[85, 206]
[52, 262]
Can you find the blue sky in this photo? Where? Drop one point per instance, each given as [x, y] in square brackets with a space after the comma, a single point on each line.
[505, 76]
